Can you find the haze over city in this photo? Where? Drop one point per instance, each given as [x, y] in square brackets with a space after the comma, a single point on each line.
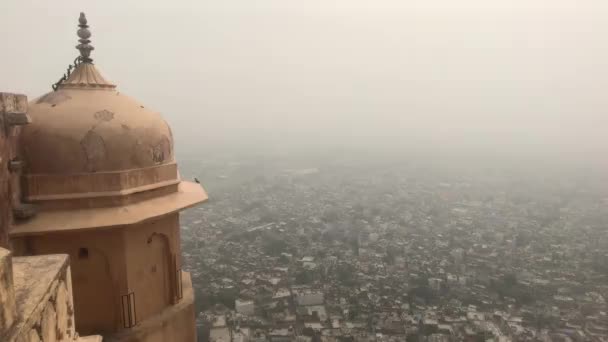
[305, 171]
[517, 77]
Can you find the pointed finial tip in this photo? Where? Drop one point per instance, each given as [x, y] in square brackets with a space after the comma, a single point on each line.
[84, 34]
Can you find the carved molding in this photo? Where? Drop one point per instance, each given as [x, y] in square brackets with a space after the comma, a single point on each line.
[41, 187]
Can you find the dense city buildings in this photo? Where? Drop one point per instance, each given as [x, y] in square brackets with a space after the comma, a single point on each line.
[345, 249]
[370, 244]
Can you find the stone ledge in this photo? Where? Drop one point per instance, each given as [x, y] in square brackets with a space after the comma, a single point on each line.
[17, 119]
[35, 280]
[188, 195]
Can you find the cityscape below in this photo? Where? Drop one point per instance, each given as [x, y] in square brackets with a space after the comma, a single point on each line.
[304, 171]
[359, 248]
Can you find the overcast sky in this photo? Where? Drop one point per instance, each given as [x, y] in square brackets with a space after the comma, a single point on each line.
[516, 75]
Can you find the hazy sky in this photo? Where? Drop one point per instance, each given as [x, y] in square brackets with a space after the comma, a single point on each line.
[517, 75]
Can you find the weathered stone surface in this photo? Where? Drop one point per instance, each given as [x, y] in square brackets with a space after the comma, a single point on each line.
[68, 282]
[34, 279]
[43, 300]
[71, 332]
[17, 119]
[7, 294]
[33, 336]
[48, 325]
[13, 103]
[14, 109]
[37, 281]
[35, 319]
[53, 289]
[5, 209]
[61, 307]
[13, 112]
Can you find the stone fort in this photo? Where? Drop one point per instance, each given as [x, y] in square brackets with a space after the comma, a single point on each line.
[89, 221]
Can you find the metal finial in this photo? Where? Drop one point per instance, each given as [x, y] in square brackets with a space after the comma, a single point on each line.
[84, 34]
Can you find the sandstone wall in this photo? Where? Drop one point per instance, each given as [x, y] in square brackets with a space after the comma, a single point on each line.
[175, 323]
[36, 301]
[43, 297]
[13, 114]
[8, 310]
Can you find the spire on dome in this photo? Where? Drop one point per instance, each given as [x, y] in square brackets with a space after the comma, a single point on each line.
[83, 74]
[84, 34]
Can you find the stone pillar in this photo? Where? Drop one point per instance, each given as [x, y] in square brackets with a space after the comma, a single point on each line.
[7, 293]
[13, 114]
[5, 207]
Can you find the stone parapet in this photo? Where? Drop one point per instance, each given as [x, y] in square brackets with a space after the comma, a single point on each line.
[187, 195]
[13, 114]
[43, 297]
[7, 293]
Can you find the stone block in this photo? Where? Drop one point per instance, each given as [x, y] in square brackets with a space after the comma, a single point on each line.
[48, 325]
[14, 109]
[17, 119]
[7, 292]
[15, 165]
[39, 283]
[61, 308]
[33, 336]
[68, 282]
[53, 290]
[25, 210]
[13, 103]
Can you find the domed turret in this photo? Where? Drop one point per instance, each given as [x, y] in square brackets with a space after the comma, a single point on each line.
[99, 166]
[85, 125]
[85, 133]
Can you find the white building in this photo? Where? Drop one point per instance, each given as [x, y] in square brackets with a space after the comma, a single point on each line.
[435, 283]
[310, 298]
[245, 307]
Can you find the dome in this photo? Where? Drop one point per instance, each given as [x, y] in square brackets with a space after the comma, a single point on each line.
[86, 126]
[88, 140]
[95, 158]
[84, 129]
